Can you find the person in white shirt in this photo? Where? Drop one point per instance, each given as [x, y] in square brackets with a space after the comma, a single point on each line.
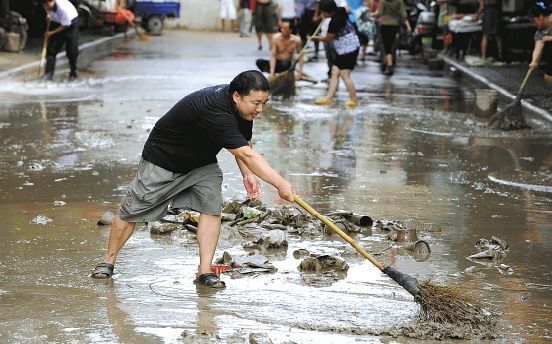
[286, 12]
[63, 28]
[228, 11]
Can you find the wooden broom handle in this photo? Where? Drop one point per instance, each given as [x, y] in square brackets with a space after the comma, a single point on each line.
[342, 234]
[524, 82]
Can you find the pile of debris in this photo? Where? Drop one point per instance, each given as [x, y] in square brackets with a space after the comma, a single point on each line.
[263, 231]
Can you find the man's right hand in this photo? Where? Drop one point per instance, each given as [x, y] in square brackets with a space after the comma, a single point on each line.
[533, 65]
[285, 191]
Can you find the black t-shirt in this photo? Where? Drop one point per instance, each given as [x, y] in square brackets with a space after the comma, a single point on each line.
[192, 133]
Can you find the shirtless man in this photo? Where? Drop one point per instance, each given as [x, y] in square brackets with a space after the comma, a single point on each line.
[284, 45]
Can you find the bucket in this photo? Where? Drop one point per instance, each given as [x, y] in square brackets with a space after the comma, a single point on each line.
[486, 102]
[420, 250]
[12, 41]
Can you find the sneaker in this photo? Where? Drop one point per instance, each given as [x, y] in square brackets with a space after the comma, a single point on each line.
[383, 67]
[323, 101]
[351, 103]
[72, 76]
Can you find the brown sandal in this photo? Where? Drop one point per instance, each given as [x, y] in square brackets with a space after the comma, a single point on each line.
[209, 280]
[103, 271]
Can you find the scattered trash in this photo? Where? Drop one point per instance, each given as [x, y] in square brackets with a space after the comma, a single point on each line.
[300, 253]
[159, 228]
[505, 269]
[41, 220]
[106, 219]
[59, 203]
[323, 263]
[275, 239]
[490, 249]
[248, 264]
[395, 230]
[259, 338]
[218, 268]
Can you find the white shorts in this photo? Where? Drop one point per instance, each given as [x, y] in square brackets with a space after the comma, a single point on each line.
[228, 10]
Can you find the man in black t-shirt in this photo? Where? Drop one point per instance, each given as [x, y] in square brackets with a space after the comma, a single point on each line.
[179, 166]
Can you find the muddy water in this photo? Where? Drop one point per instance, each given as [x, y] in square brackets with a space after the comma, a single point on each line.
[409, 151]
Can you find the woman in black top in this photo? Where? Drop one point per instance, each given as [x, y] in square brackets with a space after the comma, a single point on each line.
[342, 34]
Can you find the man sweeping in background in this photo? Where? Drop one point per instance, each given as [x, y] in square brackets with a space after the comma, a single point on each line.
[284, 47]
[63, 28]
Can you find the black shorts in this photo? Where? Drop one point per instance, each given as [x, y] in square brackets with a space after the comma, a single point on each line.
[347, 61]
[490, 24]
[281, 65]
[388, 36]
[363, 38]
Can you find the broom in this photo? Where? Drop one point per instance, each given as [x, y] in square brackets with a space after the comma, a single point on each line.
[511, 117]
[43, 52]
[141, 36]
[439, 304]
[283, 84]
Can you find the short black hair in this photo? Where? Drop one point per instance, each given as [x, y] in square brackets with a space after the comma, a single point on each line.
[540, 8]
[328, 6]
[43, 1]
[250, 80]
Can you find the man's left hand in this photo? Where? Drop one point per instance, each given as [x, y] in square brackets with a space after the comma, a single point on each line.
[252, 186]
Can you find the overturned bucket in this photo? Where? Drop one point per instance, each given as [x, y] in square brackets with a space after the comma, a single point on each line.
[486, 102]
[420, 250]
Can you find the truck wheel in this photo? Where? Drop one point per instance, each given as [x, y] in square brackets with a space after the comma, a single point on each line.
[155, 25]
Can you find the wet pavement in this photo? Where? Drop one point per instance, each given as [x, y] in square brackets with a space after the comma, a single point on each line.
[411, 150]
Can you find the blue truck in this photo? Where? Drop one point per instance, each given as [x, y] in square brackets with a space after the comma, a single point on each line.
[152, 14]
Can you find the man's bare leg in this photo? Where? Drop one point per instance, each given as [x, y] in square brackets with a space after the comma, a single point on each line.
[260, 39]
[269, 36]
[118, 235]
[208, 232]
[484, 43]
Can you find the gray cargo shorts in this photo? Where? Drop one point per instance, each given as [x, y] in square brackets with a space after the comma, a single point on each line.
[154, 188]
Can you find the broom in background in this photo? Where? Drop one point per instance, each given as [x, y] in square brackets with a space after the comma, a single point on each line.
[129, 16]
[283, 84]
[511, 117]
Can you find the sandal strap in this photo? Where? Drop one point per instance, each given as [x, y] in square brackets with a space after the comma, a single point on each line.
[210, 279]
[103, 269]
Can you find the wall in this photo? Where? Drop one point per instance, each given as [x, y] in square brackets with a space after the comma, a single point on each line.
[198, 15]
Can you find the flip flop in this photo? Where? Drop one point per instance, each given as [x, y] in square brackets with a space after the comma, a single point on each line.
[103, 271]
[209, 280]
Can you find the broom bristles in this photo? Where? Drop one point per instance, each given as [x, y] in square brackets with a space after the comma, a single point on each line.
[445, 304]
[283, 85]
[511, 118]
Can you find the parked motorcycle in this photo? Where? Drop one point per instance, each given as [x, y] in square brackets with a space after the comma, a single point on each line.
[425, 29]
